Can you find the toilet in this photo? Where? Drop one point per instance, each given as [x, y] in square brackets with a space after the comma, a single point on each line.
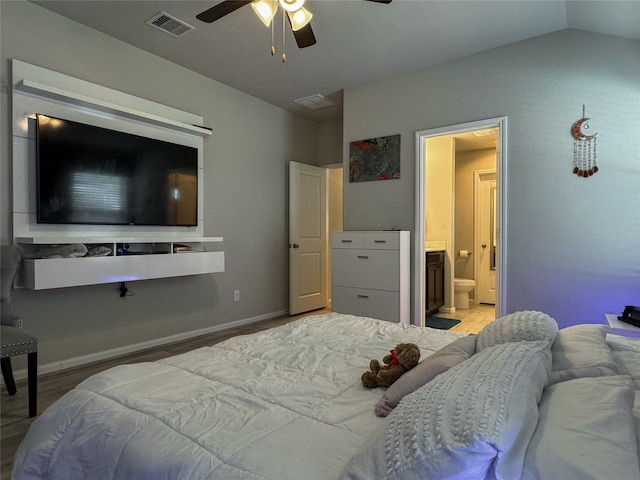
[461, 289]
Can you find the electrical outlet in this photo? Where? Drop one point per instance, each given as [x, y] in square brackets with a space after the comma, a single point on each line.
[236, 295]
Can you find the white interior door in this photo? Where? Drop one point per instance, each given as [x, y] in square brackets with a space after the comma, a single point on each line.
[307, 238]
[486, 201]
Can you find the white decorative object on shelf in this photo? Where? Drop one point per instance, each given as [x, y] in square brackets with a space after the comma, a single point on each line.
[370, 274]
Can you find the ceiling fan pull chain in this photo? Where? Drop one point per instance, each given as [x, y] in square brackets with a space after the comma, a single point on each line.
[273, 43]
[284, 54]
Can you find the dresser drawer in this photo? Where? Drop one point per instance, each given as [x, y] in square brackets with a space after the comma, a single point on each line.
[381, 240]
[370, 272]
[379, 304]
[362, 268]
[347, 240]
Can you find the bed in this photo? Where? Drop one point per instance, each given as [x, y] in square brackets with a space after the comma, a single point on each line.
[527, 401]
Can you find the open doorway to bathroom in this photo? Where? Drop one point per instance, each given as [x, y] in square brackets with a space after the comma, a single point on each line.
[460, 180]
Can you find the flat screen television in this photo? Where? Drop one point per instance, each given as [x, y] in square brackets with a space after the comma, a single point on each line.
[93, 175]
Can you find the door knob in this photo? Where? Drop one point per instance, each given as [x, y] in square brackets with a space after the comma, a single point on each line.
[484, 245]
[295, 245]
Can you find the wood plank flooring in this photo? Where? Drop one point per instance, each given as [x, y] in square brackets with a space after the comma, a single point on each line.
[15, 421]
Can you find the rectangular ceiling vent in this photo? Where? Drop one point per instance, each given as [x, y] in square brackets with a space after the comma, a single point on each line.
[314, 102]
[171, 25]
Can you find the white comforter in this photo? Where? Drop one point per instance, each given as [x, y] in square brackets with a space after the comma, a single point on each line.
[286, 403]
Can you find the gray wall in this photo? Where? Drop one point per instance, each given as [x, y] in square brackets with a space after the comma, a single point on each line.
[245, 193]
[572, 243]
[467, 163]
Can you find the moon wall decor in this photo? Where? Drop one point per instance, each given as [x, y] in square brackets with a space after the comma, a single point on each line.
[584, 148]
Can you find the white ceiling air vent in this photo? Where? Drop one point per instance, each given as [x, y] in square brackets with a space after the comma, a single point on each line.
[314, 102]
[171, 25]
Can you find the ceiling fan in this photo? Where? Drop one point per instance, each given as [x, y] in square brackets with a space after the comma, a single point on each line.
[299, 17]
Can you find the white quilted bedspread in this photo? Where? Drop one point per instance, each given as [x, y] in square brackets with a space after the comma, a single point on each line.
[285, 403]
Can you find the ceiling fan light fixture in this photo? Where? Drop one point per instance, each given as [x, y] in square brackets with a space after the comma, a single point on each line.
[300, 18]
[265, 9]
[484, 133]
[291, 5]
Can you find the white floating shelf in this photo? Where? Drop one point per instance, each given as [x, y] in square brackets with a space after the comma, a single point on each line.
[59, 239]
[93, 103]
[42, 274]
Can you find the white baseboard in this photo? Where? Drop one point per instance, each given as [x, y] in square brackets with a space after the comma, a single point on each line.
[21, 374]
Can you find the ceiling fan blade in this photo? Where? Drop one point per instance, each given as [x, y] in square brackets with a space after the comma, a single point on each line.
[304, 37]
[220, 10]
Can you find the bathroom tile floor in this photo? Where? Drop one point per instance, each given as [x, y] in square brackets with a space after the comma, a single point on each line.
[474, 319]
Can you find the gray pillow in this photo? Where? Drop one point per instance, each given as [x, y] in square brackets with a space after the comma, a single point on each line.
[528, 325]
[585, 431]
[433, 365]
[473, 421]
[581, 351]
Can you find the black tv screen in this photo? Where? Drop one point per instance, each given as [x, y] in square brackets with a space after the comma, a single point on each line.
[93, 175]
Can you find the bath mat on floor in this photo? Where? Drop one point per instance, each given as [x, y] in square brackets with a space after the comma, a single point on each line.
[441, 322]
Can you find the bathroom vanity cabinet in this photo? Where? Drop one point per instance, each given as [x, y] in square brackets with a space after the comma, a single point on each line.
[434, 281]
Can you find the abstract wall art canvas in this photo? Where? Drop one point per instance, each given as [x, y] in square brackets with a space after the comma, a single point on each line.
[374, 159]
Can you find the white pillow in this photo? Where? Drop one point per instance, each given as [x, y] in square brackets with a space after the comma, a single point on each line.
[473, 421]
[528, 325]
[581, 351]
[585, 431]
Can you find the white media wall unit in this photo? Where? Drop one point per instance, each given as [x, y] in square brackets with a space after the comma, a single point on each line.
[370, 274]
[152, 251]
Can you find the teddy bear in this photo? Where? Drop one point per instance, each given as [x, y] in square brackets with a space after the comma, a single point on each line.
[402, 358]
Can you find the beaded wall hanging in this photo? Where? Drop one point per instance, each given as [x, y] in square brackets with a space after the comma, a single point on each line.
[584, 148]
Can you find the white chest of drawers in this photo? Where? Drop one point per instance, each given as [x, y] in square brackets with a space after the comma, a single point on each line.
[370, 274]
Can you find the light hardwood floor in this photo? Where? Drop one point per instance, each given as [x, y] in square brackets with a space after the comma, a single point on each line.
[15, 421]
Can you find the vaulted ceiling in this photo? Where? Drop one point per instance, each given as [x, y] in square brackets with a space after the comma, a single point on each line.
[358, 41]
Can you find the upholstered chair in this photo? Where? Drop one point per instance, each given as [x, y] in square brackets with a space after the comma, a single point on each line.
[14, 339]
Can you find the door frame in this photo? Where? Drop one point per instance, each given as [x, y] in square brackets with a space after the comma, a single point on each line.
[419, 236]
[331, 166]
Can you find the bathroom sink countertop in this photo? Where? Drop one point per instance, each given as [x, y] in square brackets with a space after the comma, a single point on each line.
[434, 246]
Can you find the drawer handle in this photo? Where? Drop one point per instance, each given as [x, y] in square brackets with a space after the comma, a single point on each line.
[379, 241]
[346, 241]
[363, 296]
[363, 256]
